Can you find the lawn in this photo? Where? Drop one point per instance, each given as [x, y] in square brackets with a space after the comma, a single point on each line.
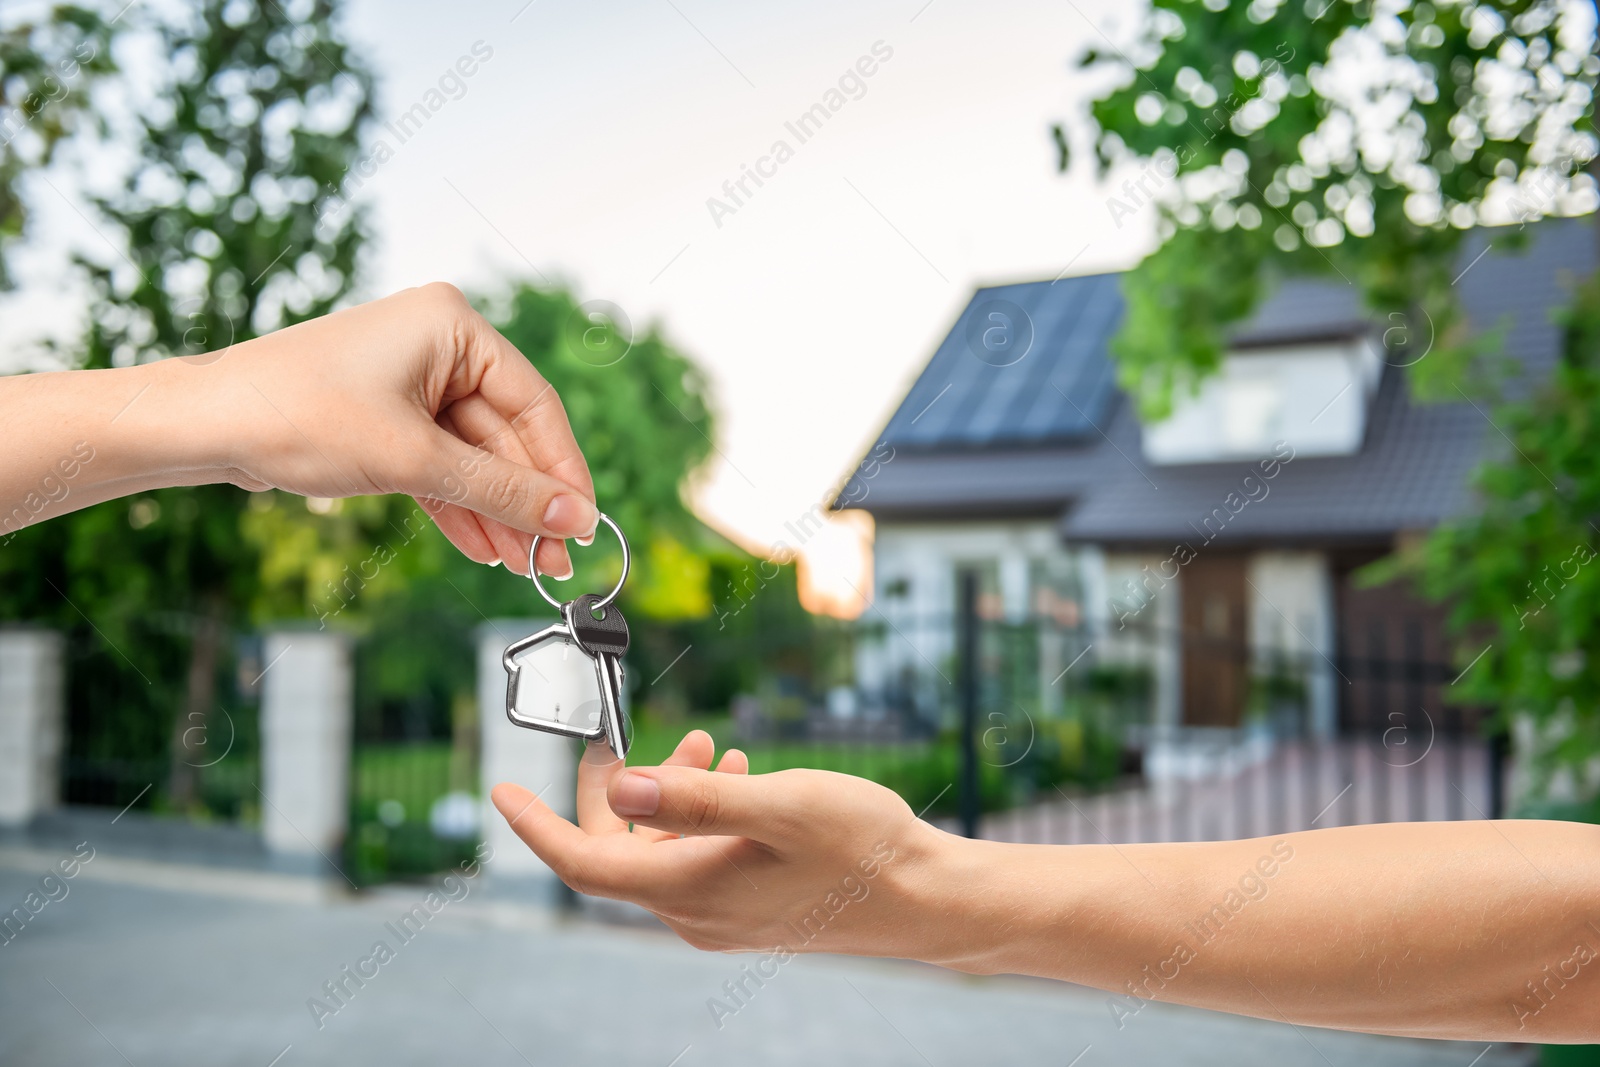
[392, 789]
[923, 772]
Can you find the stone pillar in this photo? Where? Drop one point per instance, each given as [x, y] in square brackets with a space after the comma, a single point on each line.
[31, 733]
[542, 763]
[306, 711]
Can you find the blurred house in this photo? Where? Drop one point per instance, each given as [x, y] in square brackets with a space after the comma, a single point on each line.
[1219, 540]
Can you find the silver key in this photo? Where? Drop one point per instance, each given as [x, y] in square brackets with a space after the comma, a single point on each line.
[603, 633]
[568, 678]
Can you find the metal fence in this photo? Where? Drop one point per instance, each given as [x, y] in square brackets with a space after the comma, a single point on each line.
[1029, 730]
[151, 724]
[1014, 729]
[413, 778]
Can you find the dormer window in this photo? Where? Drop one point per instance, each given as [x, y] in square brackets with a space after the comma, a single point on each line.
[1252, 411]
[1313, 396]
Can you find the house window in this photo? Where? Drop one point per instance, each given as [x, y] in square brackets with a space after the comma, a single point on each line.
[1312, 395]
[1252, 413]
[1056, 593]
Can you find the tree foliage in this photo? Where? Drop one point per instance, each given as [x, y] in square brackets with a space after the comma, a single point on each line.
[230, 226]
[243, 120]
[1361, 140]
[230, 222]
[47, 71]
[1522, 577]
[1357, 140]
[232, 213]
[642, 412]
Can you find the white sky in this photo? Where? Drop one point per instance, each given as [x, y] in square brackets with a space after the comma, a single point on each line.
[594, 136]
[589, 143]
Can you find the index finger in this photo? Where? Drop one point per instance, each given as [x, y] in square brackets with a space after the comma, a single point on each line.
[521, 394]
[552, 838]
[608, 865]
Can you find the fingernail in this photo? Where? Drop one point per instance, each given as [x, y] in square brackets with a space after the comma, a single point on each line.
[569, 516]
[563, 577]
[636, 795]
[495, 562]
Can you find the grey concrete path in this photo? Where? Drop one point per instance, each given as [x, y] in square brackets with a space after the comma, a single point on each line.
[151, 964]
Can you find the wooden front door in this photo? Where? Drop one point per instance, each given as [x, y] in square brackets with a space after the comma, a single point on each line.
[1394, 656]
[1214, 640]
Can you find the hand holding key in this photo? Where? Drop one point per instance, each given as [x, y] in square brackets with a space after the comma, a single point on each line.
[415, 393]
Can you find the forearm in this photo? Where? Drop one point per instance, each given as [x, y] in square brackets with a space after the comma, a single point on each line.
[1481, 930]
[415, 394]
[79, 437]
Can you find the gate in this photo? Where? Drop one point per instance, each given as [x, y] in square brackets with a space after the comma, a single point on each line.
[414, 808]
[126, 698]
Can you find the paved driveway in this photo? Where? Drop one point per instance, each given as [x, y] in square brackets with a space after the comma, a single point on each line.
[154, 964]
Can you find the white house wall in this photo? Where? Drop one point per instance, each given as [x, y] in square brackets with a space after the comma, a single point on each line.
[927, 557]
[1290, 606]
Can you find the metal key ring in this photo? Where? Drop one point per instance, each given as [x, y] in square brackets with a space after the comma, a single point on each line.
[603, 602]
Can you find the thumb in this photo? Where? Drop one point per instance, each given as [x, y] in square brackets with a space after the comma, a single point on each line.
[687, 800]
[518, 495]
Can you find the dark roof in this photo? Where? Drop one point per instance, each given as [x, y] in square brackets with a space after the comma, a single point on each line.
[975, 440]
[1412, 470]
[1305, 310]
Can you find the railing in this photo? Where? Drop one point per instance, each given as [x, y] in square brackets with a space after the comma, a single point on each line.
[1029, 731]
[413, 780]
[132, 736]
[1071, 734]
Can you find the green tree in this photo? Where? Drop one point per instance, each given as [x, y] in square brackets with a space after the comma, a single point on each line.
[642, 413]
[1361, 140]
[47, 69]
[1358, 140]
[1521, 576]
[231, 225]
